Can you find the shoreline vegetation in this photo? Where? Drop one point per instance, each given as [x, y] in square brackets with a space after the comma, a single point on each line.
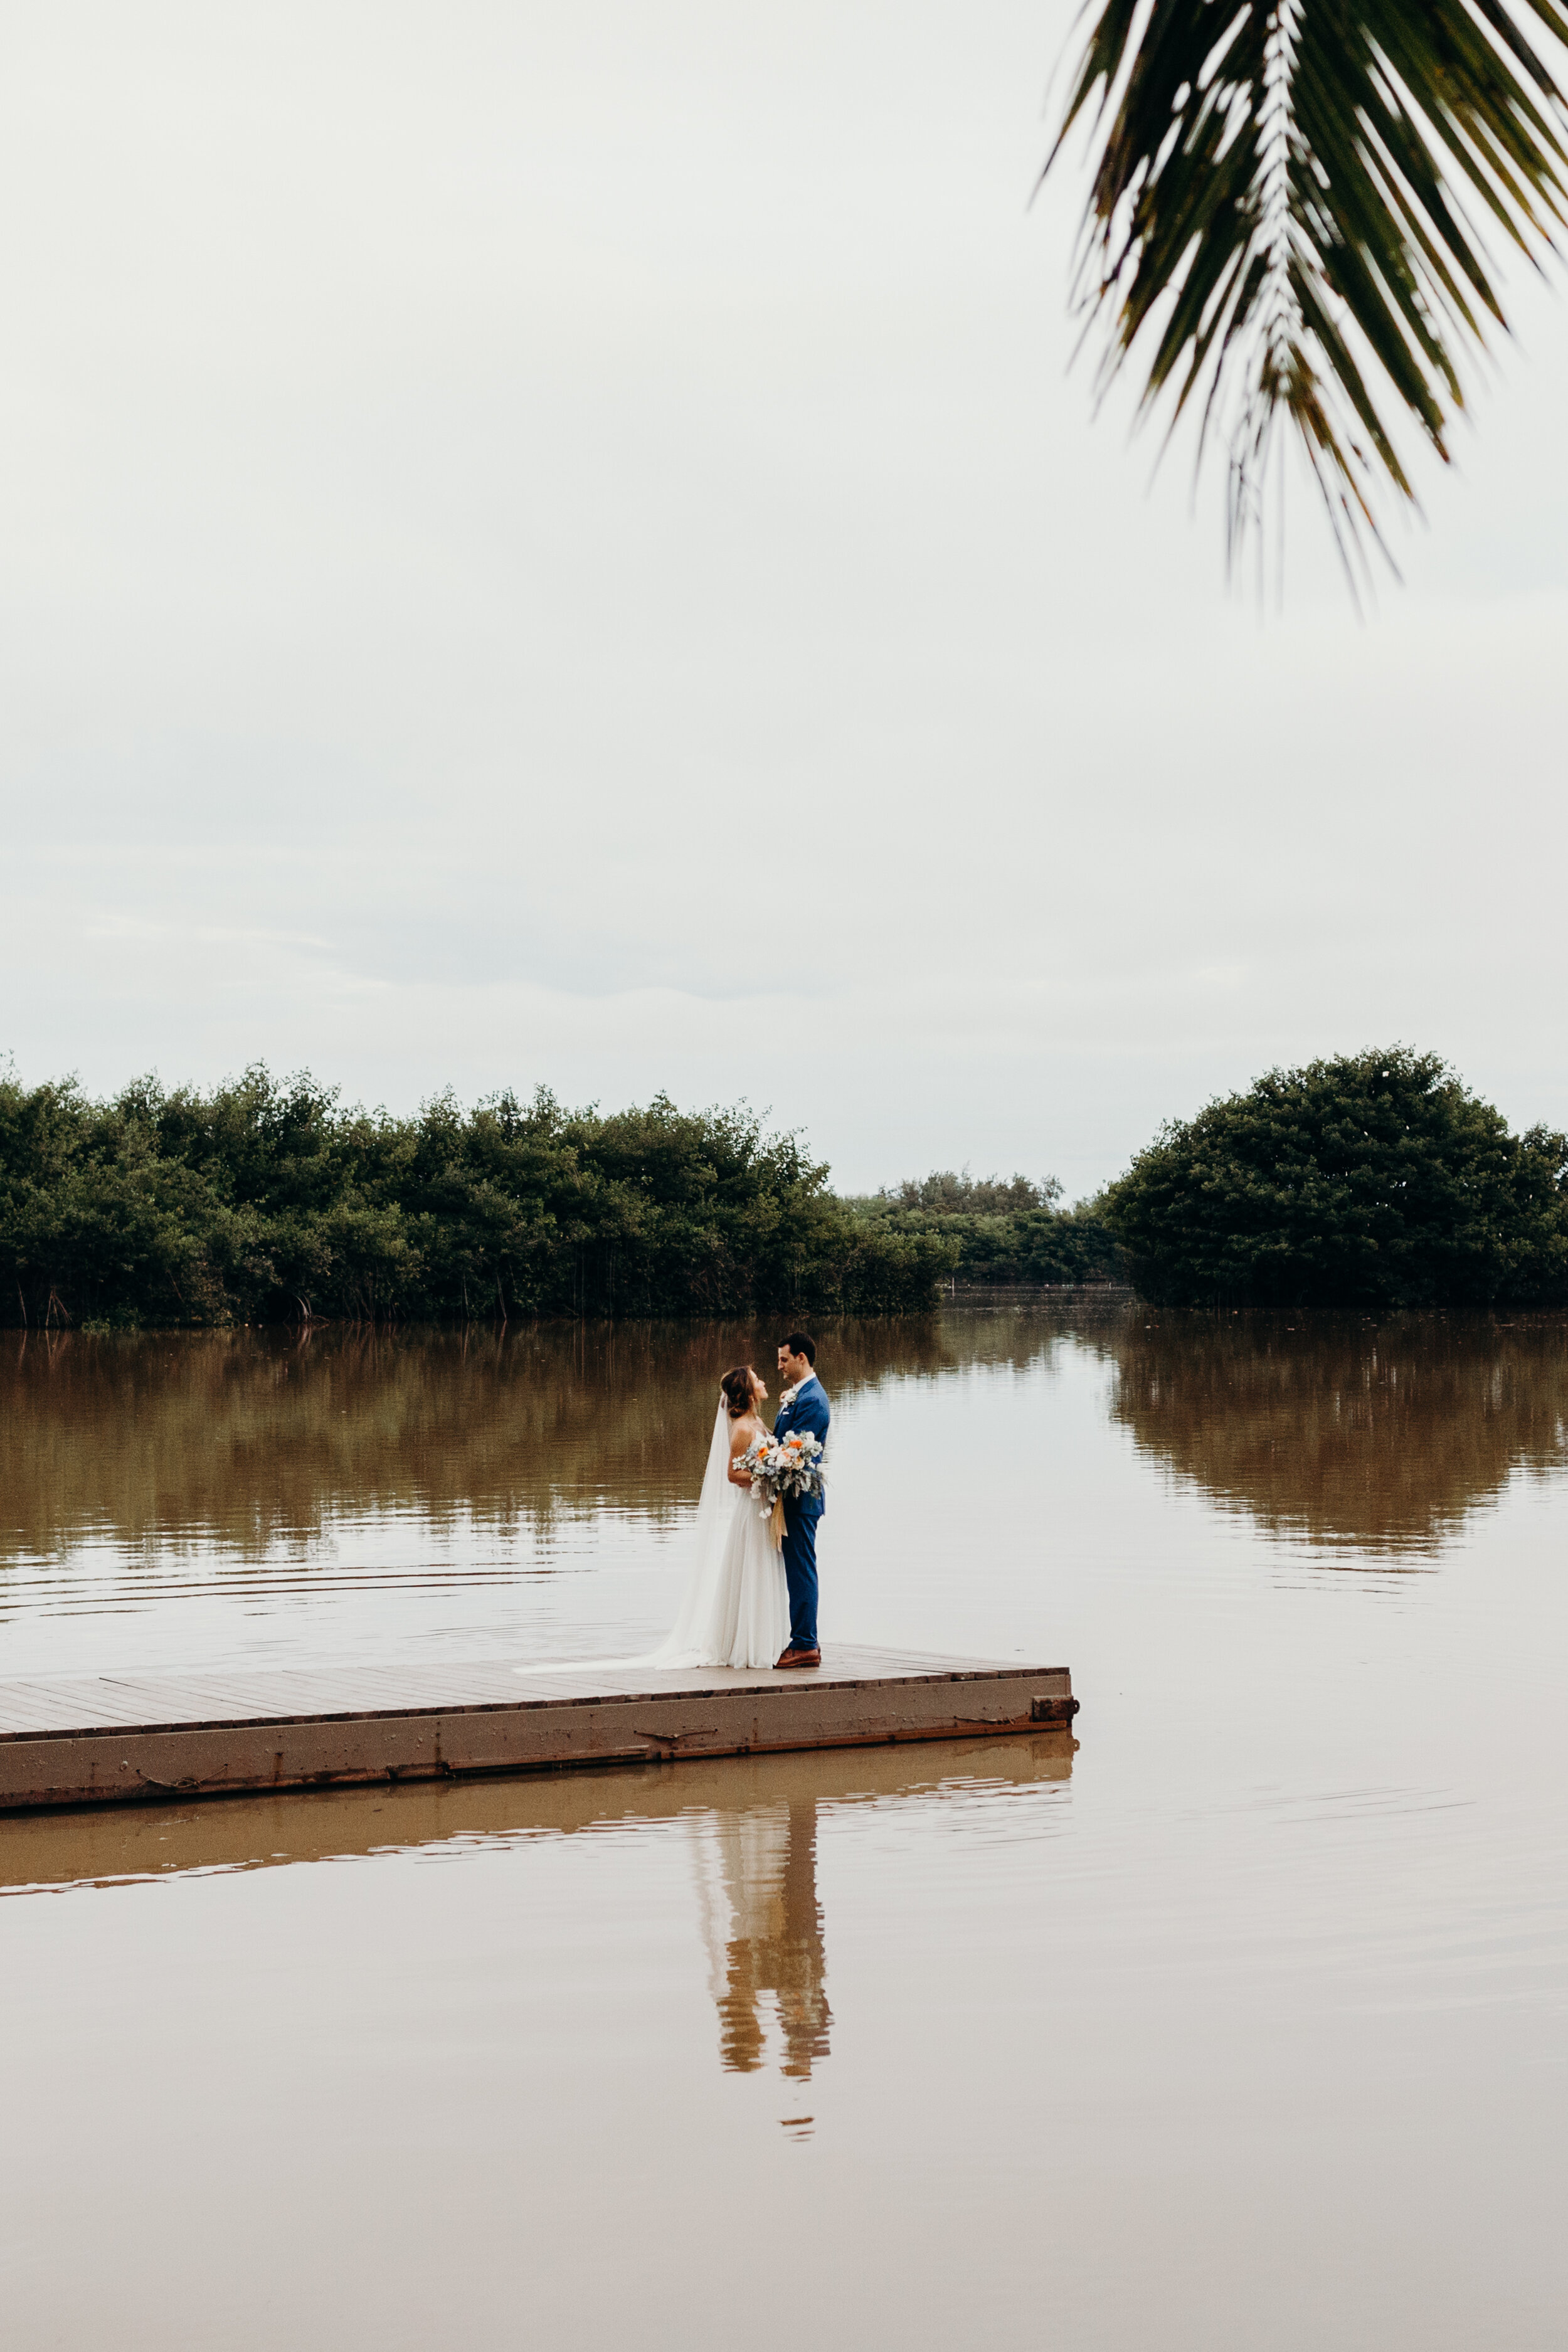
[1375, 1179]
[269, 1201]
[1371, 1180]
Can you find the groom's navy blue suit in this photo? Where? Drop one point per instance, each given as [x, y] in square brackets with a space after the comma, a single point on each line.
[808, 1409]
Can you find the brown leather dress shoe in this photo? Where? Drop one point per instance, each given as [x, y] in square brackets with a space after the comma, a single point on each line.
[798, 1658]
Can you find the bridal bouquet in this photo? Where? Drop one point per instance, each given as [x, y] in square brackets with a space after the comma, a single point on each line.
[781, 1467]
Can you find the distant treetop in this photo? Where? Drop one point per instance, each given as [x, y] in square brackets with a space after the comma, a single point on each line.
[944, 1193]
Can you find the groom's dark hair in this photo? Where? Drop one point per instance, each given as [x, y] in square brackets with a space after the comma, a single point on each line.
[801, 1343]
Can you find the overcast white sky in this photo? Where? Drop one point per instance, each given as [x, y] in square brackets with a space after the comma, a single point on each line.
[558, 544]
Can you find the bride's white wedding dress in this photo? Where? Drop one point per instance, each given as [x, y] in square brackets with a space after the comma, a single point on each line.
[735, 1609]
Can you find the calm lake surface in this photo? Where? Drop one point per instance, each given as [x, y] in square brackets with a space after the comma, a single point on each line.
[1240, 2023]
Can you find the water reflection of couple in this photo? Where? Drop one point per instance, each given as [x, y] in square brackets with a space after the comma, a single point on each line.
[757, 1885]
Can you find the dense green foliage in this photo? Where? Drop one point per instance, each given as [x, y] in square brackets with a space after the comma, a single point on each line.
[1006, 1231]
[266, 1199]
[1374, 1180]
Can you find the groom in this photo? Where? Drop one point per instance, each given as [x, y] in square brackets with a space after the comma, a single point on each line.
[803, 1406]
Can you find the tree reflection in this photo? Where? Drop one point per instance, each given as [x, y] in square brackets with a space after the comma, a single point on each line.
[256, 1440]
[1384, 1436]
[256, 1443]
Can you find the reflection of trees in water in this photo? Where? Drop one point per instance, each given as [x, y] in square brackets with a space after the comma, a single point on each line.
[254, 1439]
[764, 1863]
[1379, 1434]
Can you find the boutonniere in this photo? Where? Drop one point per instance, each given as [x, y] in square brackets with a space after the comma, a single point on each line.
[786, 1397]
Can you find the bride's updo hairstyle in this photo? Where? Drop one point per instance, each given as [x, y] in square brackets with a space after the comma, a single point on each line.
[736, 1389]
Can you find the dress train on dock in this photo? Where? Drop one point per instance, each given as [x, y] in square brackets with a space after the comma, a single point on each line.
[735, 1611]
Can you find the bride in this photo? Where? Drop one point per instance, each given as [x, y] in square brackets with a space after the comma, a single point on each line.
[735, 1609]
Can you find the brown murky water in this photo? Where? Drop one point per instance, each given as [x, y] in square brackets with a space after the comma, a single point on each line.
[1242, 2023]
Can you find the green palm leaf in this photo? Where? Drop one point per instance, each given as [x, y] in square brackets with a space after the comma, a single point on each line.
[1283, 217]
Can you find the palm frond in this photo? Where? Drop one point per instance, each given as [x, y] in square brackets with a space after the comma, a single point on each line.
[1286, 216]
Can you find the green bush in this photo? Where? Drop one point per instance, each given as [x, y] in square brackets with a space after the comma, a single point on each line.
[1006, 1231]
[266, 1199]
[1374, 1180]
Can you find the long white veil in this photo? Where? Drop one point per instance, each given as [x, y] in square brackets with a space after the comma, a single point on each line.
[715, 1512]
[681, 1646]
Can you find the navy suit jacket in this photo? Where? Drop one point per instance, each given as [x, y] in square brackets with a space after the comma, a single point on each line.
[809, 1412]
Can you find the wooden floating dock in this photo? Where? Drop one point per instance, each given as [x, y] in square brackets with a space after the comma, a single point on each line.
[140, 1739]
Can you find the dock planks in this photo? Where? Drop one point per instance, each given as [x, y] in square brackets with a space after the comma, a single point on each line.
[135, 1738]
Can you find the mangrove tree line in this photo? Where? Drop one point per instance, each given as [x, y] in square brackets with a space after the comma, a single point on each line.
[1374, 1180]
[269, 1199]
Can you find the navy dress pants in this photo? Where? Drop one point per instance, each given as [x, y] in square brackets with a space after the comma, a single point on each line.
[800, 1574]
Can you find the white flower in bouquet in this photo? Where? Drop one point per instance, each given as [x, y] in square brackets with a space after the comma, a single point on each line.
[781, 1468]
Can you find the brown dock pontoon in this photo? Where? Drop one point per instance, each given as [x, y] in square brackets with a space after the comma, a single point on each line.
[135, 1738]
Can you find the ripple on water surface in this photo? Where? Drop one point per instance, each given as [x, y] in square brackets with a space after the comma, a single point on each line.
[1242, 2019]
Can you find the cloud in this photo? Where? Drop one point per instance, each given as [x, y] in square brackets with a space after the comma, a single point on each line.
[563, 549]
